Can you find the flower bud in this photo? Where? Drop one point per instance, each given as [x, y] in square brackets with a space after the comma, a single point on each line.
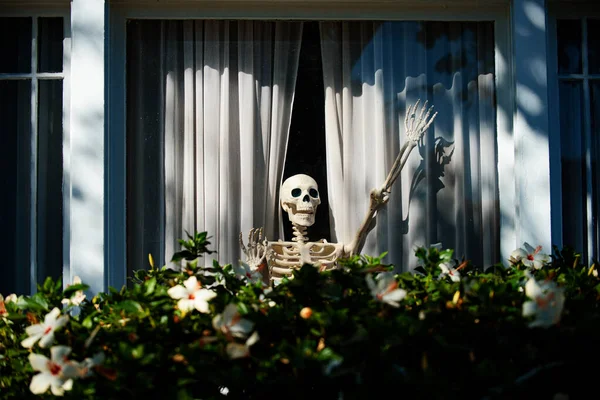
[306, 312]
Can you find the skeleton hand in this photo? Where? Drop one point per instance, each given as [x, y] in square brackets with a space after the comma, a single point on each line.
[257, 248]
[416, 126]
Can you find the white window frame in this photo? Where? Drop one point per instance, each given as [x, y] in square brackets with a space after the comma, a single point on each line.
[582, 11]
[56, 10]
[495, 10]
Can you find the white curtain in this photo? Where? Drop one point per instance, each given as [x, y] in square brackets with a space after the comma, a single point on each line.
[448, 190]
[220, 131]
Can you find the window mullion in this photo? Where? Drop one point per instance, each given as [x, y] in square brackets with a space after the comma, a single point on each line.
[33, 160]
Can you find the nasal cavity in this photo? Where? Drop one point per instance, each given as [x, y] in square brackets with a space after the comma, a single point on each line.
[306, 199]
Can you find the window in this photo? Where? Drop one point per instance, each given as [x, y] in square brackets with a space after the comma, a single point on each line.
[220, 111]
[31, 141]
[578, 66]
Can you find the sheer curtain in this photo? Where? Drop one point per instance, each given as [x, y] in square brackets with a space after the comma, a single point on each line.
[448, 189]
[209, 106]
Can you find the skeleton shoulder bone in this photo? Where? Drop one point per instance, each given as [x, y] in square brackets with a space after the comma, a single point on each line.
[299, 198]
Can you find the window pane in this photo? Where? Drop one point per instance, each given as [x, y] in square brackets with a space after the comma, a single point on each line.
[15, 114]
[573, 165]
[50, 44]
[593, 45]
[49, 180]
[144, 143]
[569, 46]
[595, 99]
[15, 45]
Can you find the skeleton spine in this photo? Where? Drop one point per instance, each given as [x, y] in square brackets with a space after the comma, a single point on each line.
[299, 234]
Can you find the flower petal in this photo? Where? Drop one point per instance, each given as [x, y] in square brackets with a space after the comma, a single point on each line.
[58, 353]
[205, 294]
[178, 292]
[241, 328]
[37, 329]
[61, 321]
[40, 383]
[38, 362]
[57, 387]
[395, 295]
[191, 284]
[51, 316]
[185, 305]
[229, 313]
[533, 289]
[236, 350]
[518, 254]
[217, 322]
[529, 308]
[30, 341]
[371, 283]
[529, 248]
[201, 305]
[252, 339]
[47, 339]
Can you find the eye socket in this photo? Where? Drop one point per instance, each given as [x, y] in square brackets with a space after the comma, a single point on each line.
[296, 192]
[313, 193]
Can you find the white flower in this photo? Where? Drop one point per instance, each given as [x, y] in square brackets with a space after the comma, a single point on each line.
[546, 304]
[448, 269]
[191, 296]
[529, 256]
[237, 350]
[386, 289]
[76, 298]
[231, 323]
[84, 368]
[10, 298]
[44, 332]
[244, 271]
[56, 373]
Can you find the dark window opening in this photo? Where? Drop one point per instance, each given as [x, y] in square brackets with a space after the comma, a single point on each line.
[306, 143]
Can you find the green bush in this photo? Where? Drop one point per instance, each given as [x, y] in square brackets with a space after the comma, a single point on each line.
[447, 330]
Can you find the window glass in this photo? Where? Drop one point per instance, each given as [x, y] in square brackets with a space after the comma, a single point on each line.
[50, 44]
[15, 114]
[569, 46]
[15, 45]
[49, 180]
[595, 157]
[573, 163]
[593, 27]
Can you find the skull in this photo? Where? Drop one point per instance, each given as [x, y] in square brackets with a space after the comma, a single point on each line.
[299, 198]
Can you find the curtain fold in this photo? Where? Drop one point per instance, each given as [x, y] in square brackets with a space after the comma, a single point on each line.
[226, 91]
[448, 189]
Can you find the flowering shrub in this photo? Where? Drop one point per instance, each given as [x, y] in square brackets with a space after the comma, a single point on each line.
[448, 330]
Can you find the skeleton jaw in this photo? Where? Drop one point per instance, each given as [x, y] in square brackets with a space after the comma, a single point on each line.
[303, 216]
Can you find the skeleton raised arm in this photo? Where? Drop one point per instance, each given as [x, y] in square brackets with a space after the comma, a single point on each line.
[415, 126]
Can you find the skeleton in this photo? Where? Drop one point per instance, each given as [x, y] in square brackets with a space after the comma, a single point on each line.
[299, 198]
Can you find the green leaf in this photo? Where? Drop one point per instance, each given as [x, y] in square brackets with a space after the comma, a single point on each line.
[150, 286]
[131, 306]
[70, 291]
